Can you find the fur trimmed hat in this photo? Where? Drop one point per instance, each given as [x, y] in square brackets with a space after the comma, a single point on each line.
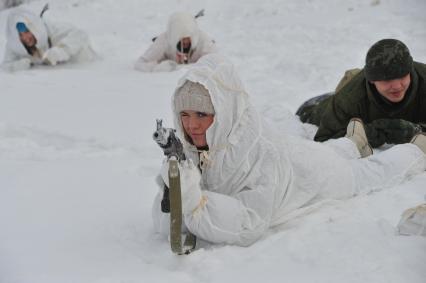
[387, 59]
[193, 96]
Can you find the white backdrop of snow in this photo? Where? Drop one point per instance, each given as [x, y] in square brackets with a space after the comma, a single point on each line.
[77, 162]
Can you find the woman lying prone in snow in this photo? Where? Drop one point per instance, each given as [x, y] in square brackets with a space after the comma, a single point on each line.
[32, 41]
[242, 177]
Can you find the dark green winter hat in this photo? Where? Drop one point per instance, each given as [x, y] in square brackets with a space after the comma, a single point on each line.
[387, 59]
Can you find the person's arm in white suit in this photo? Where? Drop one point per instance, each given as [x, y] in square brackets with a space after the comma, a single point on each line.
[67, 41]
[12, 63]
[154, 59]
[218, 218]
[241, 219]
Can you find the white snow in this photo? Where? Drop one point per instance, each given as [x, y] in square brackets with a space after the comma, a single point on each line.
[77, 161]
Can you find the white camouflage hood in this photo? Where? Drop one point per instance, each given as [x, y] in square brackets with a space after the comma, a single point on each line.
[34, 23]
[236, 127]
[182, 25]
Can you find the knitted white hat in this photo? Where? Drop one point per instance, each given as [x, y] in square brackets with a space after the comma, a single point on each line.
[193, 96]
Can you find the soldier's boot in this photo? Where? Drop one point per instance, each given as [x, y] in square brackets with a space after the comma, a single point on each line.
[420, 141]
[356, 133]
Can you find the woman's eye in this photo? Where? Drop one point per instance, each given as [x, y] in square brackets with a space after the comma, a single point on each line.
[201, 114]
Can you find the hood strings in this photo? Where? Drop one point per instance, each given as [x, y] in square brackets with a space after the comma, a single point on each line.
[204, 159]
[205, 156]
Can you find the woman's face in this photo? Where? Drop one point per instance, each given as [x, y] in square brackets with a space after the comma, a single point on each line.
[28, 39]
[195, 125]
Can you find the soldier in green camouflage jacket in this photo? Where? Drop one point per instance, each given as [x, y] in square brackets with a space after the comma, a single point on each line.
[389, 95]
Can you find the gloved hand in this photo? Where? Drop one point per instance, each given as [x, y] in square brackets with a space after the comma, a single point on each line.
[19, 65]
[401, 131]
[165, 66]
[182, 58]
[392, 131]
[190, 178]
[55, 55]
[375, 135]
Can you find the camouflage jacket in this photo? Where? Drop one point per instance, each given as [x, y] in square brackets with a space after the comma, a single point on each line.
[359, 98]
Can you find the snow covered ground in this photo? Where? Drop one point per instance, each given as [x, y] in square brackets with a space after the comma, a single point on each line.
[77, 162]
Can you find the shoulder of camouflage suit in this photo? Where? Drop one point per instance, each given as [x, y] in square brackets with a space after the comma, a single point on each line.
[421, 71]
[349, 74]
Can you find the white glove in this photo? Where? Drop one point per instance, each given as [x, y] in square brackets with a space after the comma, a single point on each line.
[164, 172]
[165, 66]
[190, 178]
[21, 64]
[413, 221]
[55, 55]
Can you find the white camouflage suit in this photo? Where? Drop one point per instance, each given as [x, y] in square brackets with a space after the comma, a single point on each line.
[255, 177]
[67, 42]
[161, 55]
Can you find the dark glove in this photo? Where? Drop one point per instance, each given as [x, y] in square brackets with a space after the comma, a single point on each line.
[376, 136]
[392, 131]
[165, 201]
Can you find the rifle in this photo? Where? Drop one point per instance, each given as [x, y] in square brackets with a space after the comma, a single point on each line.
[172, 199]
[199, 14]
[45, 8]
[171, 146]
[168, 141]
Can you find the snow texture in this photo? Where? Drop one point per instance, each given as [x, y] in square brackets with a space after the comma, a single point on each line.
[77, 161]
[5, 4]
